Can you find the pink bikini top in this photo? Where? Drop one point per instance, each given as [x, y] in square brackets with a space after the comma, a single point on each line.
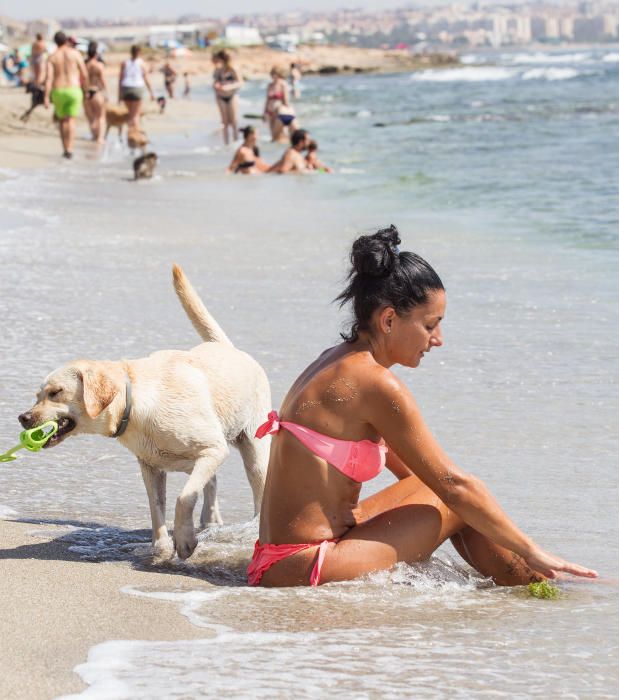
[359, 461]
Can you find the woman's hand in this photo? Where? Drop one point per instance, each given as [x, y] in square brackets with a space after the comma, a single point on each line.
[550, 566]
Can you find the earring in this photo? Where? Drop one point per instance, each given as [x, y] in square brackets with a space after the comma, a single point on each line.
[389, 329]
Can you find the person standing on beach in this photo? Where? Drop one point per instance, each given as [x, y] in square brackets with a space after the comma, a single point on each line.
[293, 161]
[169, 78]
[295, 80]
[37, 60]
[66, 74]
[131, 83]
[96, 95]
[226, 83]
[276, 98]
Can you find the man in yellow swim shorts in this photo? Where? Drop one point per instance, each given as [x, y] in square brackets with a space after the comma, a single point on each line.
[66, 76]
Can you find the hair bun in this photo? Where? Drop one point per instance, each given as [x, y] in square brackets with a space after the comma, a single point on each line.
[375, 255]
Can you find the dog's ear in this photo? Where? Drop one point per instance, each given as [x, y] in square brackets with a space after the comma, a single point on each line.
[99, 391]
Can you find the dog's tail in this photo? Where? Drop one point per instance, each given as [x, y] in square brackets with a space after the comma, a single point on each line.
[206, 326]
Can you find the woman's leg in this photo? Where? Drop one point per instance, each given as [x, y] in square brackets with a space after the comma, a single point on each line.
[133, 107]
[233, 116]
[228, 123]
[404, 522]
[88, 111]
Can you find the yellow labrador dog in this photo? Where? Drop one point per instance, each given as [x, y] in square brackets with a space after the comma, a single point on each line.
[175, 410]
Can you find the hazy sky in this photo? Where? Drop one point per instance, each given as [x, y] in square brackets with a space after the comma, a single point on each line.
[29, 9]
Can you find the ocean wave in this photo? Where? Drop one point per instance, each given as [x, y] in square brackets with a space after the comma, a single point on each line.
[471, 74]
[7, 513]
[611, 58]
[551, 74]
[546, 58]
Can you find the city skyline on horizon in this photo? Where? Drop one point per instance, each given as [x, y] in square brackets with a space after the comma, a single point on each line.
[33, 9]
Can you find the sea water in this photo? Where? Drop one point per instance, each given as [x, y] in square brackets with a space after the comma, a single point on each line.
[503, 174]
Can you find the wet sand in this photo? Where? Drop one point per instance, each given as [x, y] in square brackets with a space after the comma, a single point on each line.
[36, 143]
[55, 607]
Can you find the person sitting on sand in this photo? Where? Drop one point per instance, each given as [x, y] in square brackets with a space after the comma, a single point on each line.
[276, 97]
[247, 160]
[312, 159]
[66, 74]
[345, 418]
[293, 160]
[96, 95]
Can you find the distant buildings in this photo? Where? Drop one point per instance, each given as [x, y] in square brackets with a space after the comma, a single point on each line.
[459, 24]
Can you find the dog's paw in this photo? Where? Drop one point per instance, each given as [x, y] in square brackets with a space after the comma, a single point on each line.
[185, 541]
[163, 548]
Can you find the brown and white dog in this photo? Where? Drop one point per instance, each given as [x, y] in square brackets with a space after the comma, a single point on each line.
[175, 410]
[136, 138]
[116, 116]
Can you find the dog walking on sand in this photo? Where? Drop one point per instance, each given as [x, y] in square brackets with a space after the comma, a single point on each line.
[175, 410]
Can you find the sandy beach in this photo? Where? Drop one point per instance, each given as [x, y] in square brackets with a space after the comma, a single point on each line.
[55, 606]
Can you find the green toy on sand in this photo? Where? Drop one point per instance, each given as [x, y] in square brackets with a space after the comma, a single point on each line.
[32, 440]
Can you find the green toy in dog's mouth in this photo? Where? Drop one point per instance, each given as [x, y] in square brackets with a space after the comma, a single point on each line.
[36, 438]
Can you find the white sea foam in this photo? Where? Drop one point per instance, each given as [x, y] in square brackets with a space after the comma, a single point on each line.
[364, 113]
[611, 58]
[471, 74]
[551, 74]
[7, 513]
[546, 58]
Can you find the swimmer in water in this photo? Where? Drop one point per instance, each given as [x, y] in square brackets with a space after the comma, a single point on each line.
[247, 160]
[312, 159]
[345, 418]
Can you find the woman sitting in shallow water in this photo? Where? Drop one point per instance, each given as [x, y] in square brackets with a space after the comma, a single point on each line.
[247, 160]
[346, 417]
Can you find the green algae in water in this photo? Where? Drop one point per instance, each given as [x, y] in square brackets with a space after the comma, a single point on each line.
[543, 589]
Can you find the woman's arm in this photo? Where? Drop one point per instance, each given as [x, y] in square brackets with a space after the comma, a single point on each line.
[120, 80]
[102, 78]
[392, 411]
[48, 83]
[235, 162]
[147, 82]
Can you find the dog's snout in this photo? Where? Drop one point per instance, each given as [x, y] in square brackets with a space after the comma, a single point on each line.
[25, 419]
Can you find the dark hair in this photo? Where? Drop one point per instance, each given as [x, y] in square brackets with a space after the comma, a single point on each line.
[60, 38]
[135, 51]
[92, 49]
[248, 131]
[298, 136]
[312, 146]
[39, 36]
[381, 275]
[222, 56]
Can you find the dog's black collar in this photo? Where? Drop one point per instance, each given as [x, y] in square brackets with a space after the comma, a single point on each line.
[124, 421]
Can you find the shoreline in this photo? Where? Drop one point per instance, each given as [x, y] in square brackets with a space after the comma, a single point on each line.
[35, 144]
[53, 612]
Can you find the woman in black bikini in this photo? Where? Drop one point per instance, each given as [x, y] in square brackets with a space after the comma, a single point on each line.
[247, 160]
[226, 83]
[96, 95]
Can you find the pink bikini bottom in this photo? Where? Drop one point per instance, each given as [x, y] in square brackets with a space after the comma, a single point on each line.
[265, 555]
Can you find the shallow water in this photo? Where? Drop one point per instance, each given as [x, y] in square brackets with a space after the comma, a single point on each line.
[504, 179]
